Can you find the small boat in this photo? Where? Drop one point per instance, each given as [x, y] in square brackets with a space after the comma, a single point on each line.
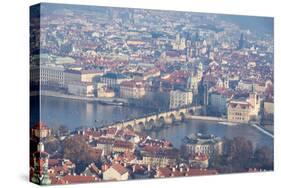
[227, 123]
[114, 102]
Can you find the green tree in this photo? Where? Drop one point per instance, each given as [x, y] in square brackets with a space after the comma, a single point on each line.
[240, 153]
[76, 149]
[263, 158]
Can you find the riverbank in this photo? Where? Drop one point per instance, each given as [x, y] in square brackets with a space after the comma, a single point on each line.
[262, 130]
[177, 132]
[75, 97]
[65, 96]
[226, 122]
[207, 118]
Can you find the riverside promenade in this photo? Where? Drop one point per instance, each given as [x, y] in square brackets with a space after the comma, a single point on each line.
[75, 97]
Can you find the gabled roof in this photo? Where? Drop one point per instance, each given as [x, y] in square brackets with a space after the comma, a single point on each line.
[119, 168]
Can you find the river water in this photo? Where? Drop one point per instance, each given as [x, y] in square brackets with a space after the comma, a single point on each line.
[77, 113]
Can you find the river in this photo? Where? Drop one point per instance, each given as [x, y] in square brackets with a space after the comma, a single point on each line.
[77, 113]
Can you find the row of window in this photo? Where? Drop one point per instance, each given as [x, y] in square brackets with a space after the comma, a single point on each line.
[238, 118]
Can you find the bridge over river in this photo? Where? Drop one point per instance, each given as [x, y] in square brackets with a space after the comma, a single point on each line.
[155, 120]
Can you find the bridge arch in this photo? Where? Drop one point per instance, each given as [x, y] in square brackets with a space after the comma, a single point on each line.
[172, 117]
[130, 127]
[149, 124]
[151, 121]
[182, 116]
[161, 120]
[191, 112]
[139, 127]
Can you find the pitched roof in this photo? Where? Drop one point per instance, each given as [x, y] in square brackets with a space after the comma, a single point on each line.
[164, 171]
[201, 172]
[40, 126]
[119, 168]
[78, 179]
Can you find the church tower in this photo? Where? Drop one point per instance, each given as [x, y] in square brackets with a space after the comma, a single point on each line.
[254, 101]
[226, 82]
[241, 42]
[40, 164]
[253, 98]
[199, 72]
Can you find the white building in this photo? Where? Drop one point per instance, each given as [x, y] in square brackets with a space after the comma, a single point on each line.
[203, 144]
[52, 75]
[180, 98]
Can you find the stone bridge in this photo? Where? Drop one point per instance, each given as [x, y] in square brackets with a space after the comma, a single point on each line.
[157, 120]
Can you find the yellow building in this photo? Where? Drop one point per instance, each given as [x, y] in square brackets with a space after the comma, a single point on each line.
[40, 130]
[105, 92]
[71, 76]
[242, 111]
[239, 111]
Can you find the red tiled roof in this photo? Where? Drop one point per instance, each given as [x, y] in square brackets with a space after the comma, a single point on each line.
[132, 84]
[177, 173]
[57, 181]
[103, 140]
[201, 172]
[78, 179]
[164, 172]
[53, 162]
[123, 144]
[40, 126]
[119, 168]
[111, 130]
[200, 157]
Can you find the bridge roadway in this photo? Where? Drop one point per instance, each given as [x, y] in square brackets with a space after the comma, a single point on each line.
[156, 119]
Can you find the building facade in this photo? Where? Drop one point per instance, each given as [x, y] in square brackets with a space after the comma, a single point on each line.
[208, 145]
[116, 172]
[84, 89]
[242, 111]
[180, 98]
[218, 102]
[132, 89]
[52, 76]
[113, 80]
